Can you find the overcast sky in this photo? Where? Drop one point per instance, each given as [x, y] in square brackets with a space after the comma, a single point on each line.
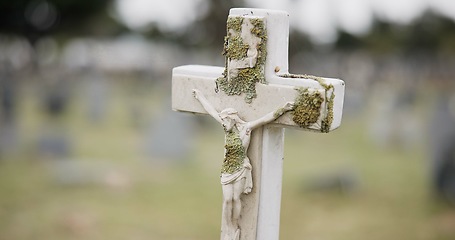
[318, 18]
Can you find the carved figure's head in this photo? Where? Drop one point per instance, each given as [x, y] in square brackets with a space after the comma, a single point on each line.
[229, 117]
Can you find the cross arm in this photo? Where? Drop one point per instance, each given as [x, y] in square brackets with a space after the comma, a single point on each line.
[189, 77]
[331, 89]
[270, 97]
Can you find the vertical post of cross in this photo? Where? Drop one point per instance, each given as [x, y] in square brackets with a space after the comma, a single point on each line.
[271, 151]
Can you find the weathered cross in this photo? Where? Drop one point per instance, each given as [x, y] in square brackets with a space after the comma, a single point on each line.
[255, 84]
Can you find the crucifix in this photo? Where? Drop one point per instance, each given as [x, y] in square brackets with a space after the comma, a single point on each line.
[254, 98]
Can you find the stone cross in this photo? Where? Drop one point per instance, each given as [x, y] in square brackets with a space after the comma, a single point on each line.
[255, 84]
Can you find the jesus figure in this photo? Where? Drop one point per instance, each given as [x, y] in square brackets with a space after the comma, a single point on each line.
[236, 175]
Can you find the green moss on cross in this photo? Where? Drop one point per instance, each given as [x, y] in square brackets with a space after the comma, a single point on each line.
[236, 48]
[327, 119]
[234, 23]
[235, 153]
[307, 107]
[243, 80]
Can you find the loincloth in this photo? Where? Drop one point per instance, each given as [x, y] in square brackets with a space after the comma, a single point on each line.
[228, 178]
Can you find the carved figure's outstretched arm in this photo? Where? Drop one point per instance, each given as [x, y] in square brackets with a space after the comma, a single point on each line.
[272, 116]
[207, 106]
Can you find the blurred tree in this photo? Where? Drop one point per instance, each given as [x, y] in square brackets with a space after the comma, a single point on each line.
[208, 31]
[213, 25]
[34, 19]
[298, 42]
[430, 34]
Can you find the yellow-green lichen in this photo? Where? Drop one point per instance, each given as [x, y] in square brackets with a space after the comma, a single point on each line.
[242, 83]
[234, 23]
[236, 48]
[235, 153]
[327, 118]
[279, 112]
[258, 26]
[327, 121]
[307, 107]
[243, 80]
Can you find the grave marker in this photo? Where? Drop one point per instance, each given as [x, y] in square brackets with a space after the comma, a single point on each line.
[254, 91]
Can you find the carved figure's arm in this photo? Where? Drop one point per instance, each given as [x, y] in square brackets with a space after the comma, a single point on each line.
[207, 106]
[271, 116]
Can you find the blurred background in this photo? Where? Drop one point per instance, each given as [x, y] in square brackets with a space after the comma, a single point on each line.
[90, 149]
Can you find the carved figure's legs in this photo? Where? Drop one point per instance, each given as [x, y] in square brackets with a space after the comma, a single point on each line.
[232, 207]
[228, 193]
[237, 203]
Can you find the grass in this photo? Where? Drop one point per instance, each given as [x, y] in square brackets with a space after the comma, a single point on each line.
[133, 197]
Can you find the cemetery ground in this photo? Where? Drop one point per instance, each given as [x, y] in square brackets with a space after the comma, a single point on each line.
[336, 186]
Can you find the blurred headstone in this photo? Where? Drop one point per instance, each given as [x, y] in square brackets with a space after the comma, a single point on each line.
[54, 140]
[344, 181]
[8, 105]
[80, 173]
[97, 90]
[170, 136]
[442, 146]
[394, 123]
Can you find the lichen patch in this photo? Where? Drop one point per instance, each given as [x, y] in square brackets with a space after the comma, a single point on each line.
[307, 107]
[304, 118]
[245, 53]
[234, 153]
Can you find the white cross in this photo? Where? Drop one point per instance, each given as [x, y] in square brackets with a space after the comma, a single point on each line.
[260, 214]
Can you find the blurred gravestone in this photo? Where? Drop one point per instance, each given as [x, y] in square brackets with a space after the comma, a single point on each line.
[170, 136]
[53, 139]
[8, 128]
[394, 103]
[97, 92]
[81, 172]
[344, 181]
[442, 144]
